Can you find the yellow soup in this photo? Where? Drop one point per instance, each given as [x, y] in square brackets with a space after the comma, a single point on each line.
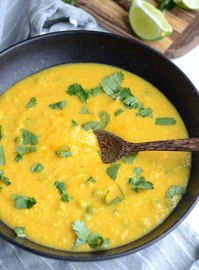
[55, 189]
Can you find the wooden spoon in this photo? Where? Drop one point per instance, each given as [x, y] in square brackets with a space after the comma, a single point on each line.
[114, 148]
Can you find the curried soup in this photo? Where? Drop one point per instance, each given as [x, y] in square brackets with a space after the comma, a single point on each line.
[55, 189]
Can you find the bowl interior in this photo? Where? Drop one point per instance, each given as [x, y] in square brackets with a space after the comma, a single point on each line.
[79, 47]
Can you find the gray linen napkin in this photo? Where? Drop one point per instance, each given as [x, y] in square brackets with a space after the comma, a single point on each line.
[20, 19]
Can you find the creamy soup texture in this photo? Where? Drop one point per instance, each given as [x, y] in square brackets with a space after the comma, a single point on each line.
[55, 189]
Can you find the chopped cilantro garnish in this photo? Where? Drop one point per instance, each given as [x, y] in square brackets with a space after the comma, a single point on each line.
[113, 170]
[78, 90]
[95, 91]
[37, 167]
[58, 106]
[112, 84]
[119, 111]
[138, 182]
[90, 180]
[130, 158]
[22, 150]
[2, 156]
[29, 138]
[166, 4]
[1, 135]
[20, 232]
[94, 240]
[4, 179]
[22, 202]
[94, 125]
[145, 112]
[84, 110]
[31, 103]
[116, 199]
[165, 121]
[74, 123]
[61, 186]
[63, 152]
[173, 190]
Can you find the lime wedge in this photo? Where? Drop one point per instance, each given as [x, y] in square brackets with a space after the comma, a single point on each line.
[147, 21]
[187, 4]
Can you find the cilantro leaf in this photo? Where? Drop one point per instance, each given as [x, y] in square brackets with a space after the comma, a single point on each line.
[113, 170]
[31, 103]
[90, 180]
[84, 110]
[117, 199]
[95, 91]
[22, 202]
[78, 90]
[29, 138]
[22, 150]
[1, 135]
[165, 121]
[175, 189]
[37, 167]
[90, 125]
[2, 156]
[112, 84]
[166, 4]
[130, 158]
[58, 106]
[94, 125]
[138, 182]
[61, 186]
[130, 102]
[63, 152]
[74, 123]
[20, 232]
[94, 240]
[119, 111]
[145, 112]
[4, 179]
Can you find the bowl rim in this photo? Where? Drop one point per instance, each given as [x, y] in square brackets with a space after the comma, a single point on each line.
[100, 255]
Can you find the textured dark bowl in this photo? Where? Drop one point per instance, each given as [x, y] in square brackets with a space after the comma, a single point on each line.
[73, 47]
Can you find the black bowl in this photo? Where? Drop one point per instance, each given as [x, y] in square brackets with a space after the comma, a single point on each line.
[45, 51]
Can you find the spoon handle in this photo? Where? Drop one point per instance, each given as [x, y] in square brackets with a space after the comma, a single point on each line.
[187, 145]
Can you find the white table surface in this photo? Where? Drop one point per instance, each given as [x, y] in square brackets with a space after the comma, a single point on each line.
[189, 64]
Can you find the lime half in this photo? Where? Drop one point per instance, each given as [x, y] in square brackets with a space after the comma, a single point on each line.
[188, 4]
[147, 21]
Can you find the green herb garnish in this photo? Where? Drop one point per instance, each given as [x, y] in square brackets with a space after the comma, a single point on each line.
[119, 111]
[166, 4]
[145, 112]
[61, 186]
[84, 110]
[37, 167]
[4, 179]
[173, 190]
[29, 138]
[165, 121]
[112, 84]
[31, 103]
[94, 125]
[95, 91]
[63, 152]
[22, 202]
[90, 180]
[130, 158]
[116, 199]
[2, 156]
[58, 106]
[78, 90]
[22, 150]
[1, 135]
[138, 182]
[74, 123]
[94, 240]
[113, 170]
[20, 232]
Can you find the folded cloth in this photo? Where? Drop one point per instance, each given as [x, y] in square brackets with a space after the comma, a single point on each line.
[20, 19]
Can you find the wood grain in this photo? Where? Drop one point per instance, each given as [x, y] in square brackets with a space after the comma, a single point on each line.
[113, 15]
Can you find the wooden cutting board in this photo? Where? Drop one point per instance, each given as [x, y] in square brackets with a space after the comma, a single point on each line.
[113, 15]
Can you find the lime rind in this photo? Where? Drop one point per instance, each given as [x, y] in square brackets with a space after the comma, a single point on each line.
[148, 22]
[188, 4]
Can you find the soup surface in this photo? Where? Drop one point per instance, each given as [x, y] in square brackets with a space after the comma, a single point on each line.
[55, 189]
